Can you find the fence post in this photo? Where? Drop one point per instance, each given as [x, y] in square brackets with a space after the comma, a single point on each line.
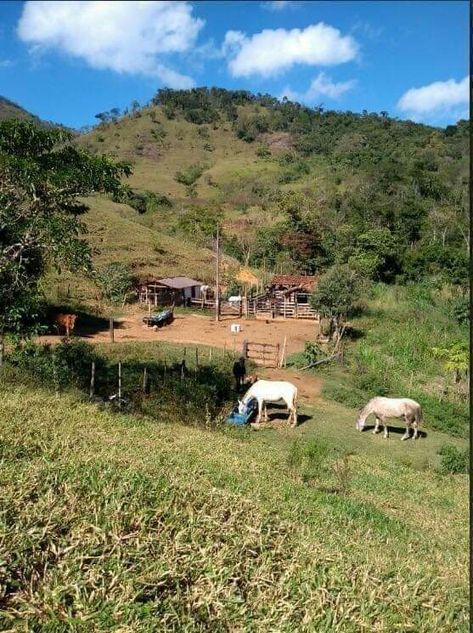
[244, 350]
[119, 385]
[145, 380]
[196, 359]
[92, 381]
[283, 354]
[111, 329]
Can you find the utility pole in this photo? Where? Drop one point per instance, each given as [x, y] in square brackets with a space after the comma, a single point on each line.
[217, 276]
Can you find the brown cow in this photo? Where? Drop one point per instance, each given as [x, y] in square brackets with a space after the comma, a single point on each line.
[65, 321]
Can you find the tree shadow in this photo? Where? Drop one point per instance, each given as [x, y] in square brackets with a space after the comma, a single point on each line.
[86, 324]
[354, 334]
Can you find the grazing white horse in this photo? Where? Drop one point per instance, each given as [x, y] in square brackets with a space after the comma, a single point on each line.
[384, 408]
[271, 391]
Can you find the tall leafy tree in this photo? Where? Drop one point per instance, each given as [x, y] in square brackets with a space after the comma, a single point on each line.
[336, 294]
[43, 179]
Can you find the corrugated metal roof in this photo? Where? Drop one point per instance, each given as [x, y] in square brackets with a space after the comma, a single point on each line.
[179, 282]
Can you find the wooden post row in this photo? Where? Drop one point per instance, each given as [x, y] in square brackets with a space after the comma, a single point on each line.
[92, 381]
[119, 385]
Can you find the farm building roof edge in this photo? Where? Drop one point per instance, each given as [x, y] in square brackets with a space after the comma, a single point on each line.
[177, 283]
[302, 281]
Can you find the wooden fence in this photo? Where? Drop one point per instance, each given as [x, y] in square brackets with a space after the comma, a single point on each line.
[265, 354]
[226, 308]
[263, 307]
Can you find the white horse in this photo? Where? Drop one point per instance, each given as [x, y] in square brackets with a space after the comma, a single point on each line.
[384, 408]
[271, 391]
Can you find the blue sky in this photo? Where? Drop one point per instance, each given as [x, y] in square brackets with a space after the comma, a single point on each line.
[67, 61]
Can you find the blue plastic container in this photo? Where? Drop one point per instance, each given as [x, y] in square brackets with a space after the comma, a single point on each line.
[240, 419]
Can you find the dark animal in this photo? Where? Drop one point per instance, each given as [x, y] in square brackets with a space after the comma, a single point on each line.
[180, 368]
[65, 322]
[239, 372]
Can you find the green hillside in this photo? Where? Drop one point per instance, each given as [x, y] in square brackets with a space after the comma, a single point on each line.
[324, 177]
[123, 521]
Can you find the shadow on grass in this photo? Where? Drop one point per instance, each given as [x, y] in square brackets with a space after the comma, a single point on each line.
[282, 413]
[396, 430]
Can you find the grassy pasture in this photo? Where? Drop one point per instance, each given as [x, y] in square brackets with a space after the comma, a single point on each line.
[120, 522]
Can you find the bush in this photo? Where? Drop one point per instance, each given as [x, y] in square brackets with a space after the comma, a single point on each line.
[143, 201]
[460, 309]
[263, 151]
[64, 365]
[116, 282]
[454, 460]
[190, 175]
[443, 415]
[201, 115]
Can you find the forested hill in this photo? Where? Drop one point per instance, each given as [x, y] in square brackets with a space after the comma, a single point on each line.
[297, 188]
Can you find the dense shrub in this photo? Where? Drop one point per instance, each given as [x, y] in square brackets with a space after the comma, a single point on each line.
[60, 366]
[460, 309]
[143, 201]
[116, 282]
[190, 175]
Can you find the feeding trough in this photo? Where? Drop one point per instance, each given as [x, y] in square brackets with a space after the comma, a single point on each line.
[240, 419]
[158, 319]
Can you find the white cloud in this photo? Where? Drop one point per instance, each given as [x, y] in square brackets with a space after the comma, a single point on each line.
[276, 5]
[271, 51]
[321, 86]
[439, 99]
[5, 63]
[126, 37]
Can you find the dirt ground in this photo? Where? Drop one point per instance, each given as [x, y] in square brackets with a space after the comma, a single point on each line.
[203, 330]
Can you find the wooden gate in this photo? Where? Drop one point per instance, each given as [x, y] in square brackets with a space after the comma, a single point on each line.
[265, 354]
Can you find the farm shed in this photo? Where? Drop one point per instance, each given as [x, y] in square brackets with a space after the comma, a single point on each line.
[293, 288]
[170, 290]
[286, 296]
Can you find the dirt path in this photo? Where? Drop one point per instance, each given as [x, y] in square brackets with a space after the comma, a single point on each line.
[308, 385]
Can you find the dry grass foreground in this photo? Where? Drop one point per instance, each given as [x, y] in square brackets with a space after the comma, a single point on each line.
[125, 523]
